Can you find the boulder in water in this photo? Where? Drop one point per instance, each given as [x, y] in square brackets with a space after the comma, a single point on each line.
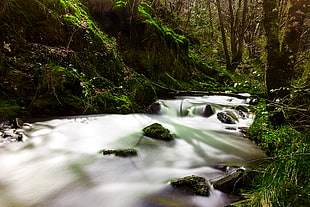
[120, 152]
[193, 185]
[225, 118]
[157, 131]
[208, 111]
[228, 183]
[154, 108]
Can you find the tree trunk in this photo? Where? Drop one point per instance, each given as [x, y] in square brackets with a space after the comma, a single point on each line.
[233, 40]
[275, 67]
[281, 60]
[237, 30]
[242, 30]
[210, 18]
[227, 57]
[293, 34]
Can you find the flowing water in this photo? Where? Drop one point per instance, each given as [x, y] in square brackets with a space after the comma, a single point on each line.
[58, 164]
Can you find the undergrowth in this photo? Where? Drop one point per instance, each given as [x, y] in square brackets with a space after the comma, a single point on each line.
[284, 176]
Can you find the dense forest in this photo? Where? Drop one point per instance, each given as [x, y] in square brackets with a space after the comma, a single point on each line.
[72, 57]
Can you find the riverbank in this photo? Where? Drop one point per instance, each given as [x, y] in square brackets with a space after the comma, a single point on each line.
[283, 179]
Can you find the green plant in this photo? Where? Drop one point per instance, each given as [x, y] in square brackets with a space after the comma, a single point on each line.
[77, 14]
[89, 90]
[9, 109]
[283, 182]
[284, 177]
[146, 11]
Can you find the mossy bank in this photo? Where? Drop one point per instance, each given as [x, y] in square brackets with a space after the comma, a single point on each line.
[283, 178]
[82, 56]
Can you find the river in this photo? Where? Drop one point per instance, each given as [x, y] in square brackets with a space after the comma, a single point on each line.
[58, 164]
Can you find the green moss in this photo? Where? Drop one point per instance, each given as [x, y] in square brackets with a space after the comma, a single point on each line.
[157, 131]
[9, 109]
[141, 91]
[284, 140]
[146, 11]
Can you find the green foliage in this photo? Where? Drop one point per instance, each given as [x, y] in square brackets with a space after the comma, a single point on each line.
[120, 4]
[145, 10]
[261, 124]
[76, 13]
[284, 182]
[123, 104]
[9, 109]
[284, 178]
[283, 141]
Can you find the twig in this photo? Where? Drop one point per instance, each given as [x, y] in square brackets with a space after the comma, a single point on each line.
[71, 38]
[288, 107]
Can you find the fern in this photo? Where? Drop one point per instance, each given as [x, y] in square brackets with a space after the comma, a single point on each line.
[119, 4]
[143, 9]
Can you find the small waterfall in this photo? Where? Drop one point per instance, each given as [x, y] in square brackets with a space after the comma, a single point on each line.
[58, 163]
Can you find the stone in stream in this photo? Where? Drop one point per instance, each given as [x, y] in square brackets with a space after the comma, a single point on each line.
[120, 152]
[229, 183]
[192, 185]
[208, 111]
[8, 131]
[226, 118]
[235, 178]
[157, 131]
[154, 108]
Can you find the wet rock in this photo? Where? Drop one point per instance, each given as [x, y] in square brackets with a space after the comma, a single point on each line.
[10, 135]
[154, 108]
[120, 152]
[12, 124]
[9, 131]
[157, 131]
[192, 185]
[231, 181]
[242, 108]
[168, 197]
[208, 111]
[231, 128]
[242, 111]
[243, 130]
[225, 118]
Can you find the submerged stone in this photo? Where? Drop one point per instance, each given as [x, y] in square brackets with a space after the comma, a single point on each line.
[193, 185]
[157, 131]
[120, 152]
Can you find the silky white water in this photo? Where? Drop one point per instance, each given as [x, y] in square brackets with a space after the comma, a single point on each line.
[58, 164]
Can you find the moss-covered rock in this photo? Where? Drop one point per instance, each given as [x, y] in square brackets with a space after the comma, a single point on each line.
[120, 152]
[157, 131]
[226, 118]
[193, 185]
